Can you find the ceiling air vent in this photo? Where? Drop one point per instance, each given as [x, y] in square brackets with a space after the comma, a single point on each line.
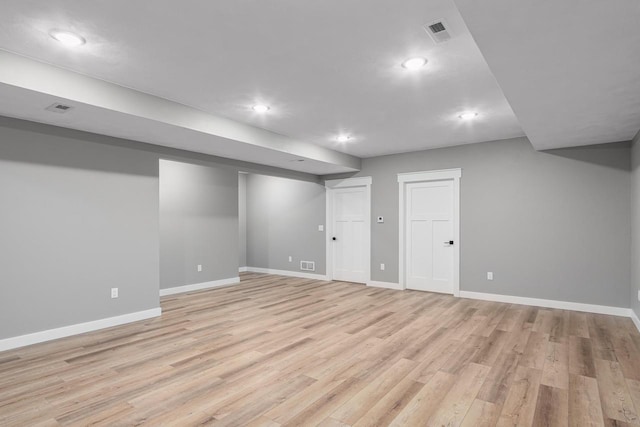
[438, 31]
[59, 108]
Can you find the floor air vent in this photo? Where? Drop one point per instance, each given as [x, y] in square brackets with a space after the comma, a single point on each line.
[308, 265]
[438, 31]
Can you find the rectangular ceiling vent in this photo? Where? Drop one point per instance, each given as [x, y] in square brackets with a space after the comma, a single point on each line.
[59, 108]
[438, 31]
[307, 265]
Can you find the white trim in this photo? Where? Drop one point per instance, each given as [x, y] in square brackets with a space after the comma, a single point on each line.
[386, 285]
[442, 174]
[287, 273]
[548, 303]
[199, 286]
[243, 269]
[79, 328]
[425, 176]
[360, 181]
[330, 185]
[635, 319]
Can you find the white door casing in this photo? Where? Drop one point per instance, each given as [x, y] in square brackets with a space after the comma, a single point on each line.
[349, 222]
[429, 219]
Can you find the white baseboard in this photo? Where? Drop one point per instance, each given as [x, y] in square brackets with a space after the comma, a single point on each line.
[79, 328]
[547, 303]
[199, 286]
[635, 319]
[300, 274]
[243, 269]
[386, 285]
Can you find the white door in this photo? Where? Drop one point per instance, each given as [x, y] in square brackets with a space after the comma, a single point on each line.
[349, 234]
[429, 236]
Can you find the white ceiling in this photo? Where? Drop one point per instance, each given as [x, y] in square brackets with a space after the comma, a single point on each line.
[30, 105]
[569, 68]
[325, 67]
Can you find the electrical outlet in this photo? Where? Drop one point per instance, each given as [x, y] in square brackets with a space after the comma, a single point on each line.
[290, 258]
[489, 275]
[114, 292]
[382, 267]
[199, 268]
[321, 228]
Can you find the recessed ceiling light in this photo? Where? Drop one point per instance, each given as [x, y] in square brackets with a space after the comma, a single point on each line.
[67, 38]
[468, 116]
[260, 108]
[343, 138]
[414, 63]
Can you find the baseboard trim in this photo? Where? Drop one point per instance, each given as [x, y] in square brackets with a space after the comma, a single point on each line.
[243, 269]
[79, 328]
[199, 286]
[547, 303]
[635, 319]
[386, 285]
[300, 274]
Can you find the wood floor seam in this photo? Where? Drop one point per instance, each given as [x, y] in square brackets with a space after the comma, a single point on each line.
[284, 351]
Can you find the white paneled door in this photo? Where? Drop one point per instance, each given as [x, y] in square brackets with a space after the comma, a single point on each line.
[349, 231]
[429, 236]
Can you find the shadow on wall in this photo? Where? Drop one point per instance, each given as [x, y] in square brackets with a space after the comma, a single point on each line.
[48, 155]
[48, 151]
[606, 155]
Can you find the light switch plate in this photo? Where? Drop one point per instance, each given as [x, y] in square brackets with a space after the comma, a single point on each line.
[489, 275]
[199, 267]
[321, 228]
[382, 267]
[114, 292]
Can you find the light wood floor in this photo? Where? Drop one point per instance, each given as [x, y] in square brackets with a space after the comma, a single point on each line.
[282, 351]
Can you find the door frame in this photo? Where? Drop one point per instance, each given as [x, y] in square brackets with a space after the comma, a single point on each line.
[430, 176]
[331, 185]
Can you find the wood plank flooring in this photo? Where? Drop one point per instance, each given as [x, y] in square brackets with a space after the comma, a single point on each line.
[276, 351]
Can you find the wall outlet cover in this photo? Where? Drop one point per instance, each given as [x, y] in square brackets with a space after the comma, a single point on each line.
[489, 275]
[290, 258]
[382, 267]
[114, 292]
[199, 267]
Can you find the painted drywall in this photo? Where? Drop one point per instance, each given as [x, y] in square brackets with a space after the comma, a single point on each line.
[552, 225]
[198, 223]
[635, 225]
[77, 219]
[80, 214]
[282, 220]
[242, 219]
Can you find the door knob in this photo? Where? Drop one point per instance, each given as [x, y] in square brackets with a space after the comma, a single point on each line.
[334, 238]
[450, 242]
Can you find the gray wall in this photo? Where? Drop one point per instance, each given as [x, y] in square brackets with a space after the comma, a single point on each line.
[80, 214]
[635, 227]
[76, 220]
[282, 219]
[242, 219]
[198, 223]
[551, 225]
